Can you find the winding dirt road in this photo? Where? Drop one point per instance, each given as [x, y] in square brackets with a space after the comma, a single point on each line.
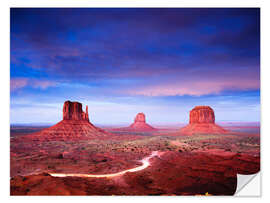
[145, 163]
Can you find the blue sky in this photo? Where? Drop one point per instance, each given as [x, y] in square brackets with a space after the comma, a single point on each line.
[119, 62]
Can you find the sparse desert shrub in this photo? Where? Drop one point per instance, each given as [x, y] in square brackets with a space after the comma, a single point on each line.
[51, 167]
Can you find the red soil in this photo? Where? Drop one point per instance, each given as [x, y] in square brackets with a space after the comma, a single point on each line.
[70, 130]
[203, 128]
[174, 173]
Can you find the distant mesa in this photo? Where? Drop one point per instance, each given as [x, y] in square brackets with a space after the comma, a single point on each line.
[75, 125]
[140, 124]
[202, 121]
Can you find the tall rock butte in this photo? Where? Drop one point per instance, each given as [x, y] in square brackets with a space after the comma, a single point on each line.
[73, 111]
[202, 121]
[75, 125]
[140, 124]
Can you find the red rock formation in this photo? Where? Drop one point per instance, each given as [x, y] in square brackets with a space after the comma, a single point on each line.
[75, 125]
[73, 111]
[202, 121]
[140, 117]
[140, 124]
[202, 114]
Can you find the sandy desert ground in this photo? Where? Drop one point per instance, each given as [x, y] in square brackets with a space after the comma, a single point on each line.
[187, 165]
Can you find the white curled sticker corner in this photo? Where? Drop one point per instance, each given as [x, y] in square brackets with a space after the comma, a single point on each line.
[248, 185]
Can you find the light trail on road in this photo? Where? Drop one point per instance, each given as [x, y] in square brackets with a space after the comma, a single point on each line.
[145, 163]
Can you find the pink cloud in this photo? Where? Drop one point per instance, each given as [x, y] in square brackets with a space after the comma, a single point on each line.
[43, 84]
[19, 83]
[196, 88]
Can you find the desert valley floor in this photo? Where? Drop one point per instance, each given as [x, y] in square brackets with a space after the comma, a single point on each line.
[185, 165]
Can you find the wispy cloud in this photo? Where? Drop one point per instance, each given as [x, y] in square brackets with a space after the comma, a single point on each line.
[43, 84]
[19, 83]
[136, 55]
[195, 88]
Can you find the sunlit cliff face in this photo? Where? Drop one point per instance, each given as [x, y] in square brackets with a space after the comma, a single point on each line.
[140, 118]
[145, 163]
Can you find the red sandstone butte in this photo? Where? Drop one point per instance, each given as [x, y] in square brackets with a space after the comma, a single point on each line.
[202, 121]
[73, 111]
[75, 125]
[140, 124]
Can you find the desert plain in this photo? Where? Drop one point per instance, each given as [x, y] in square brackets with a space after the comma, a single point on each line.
[125, 161]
